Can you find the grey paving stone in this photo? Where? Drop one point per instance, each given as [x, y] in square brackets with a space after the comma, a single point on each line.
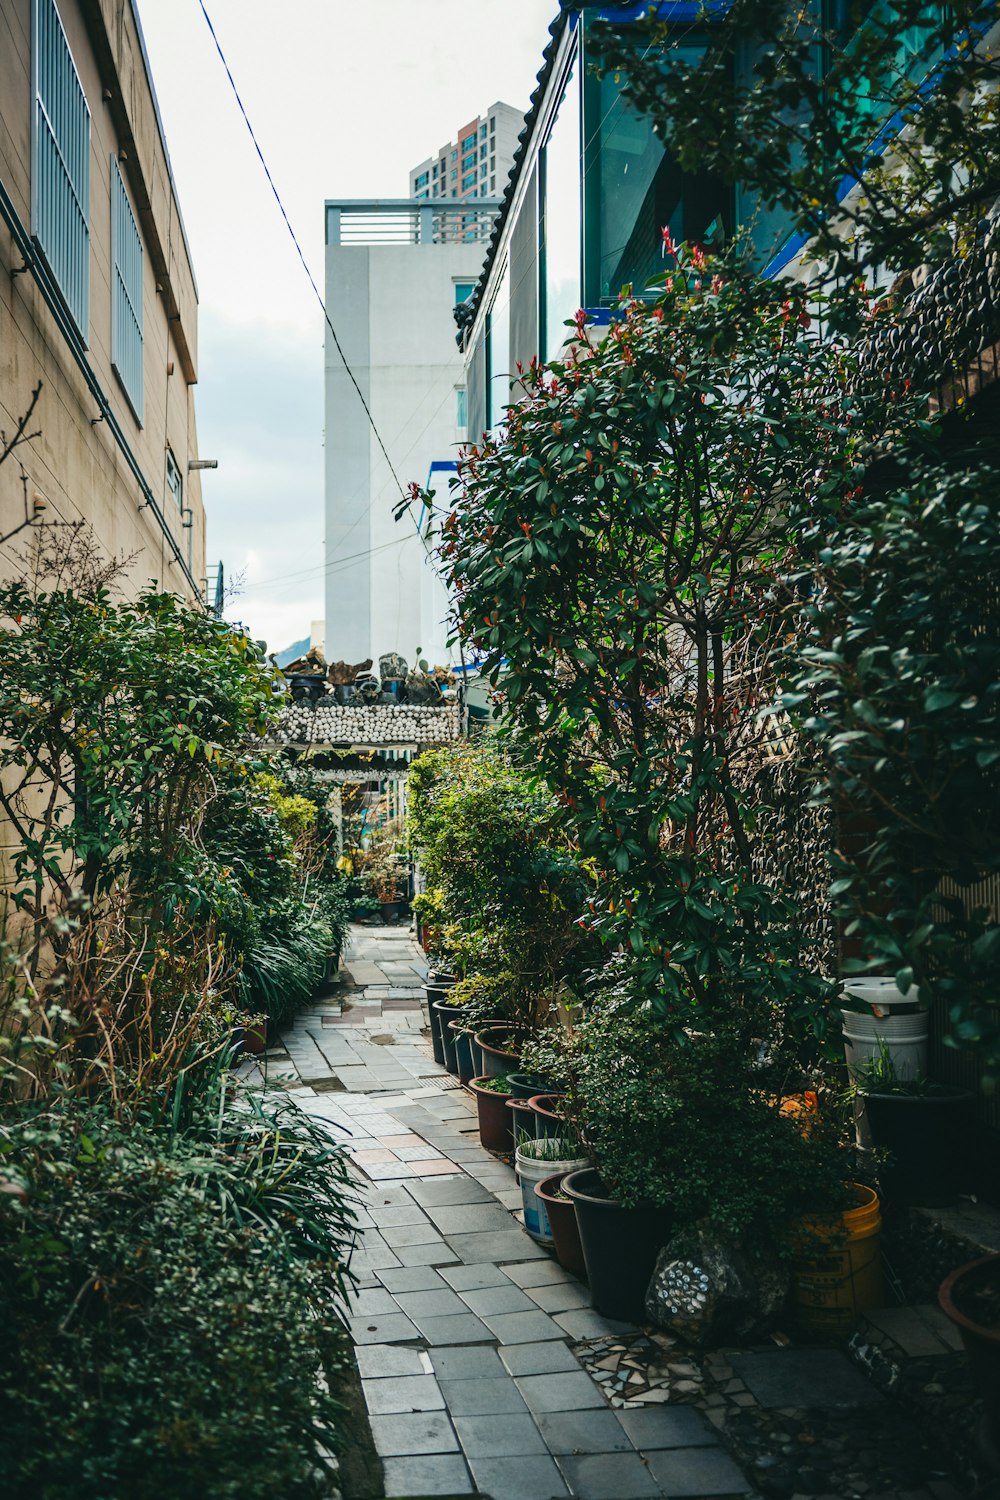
[498, 1299]
[572, 1391]
[521, 1327]
[610, 1476]
[405, 1393]
[482, 1398]
[804, 1378]
[583, 1432]
[380, 1361]
[667, 1427]
[416, 1432]
[546, 1272]
[411, 1234]
[507, 1436]
[511, 1244]
[434, 1474]
[917, 1330]
[387, 1196]
[438, 1254]
[411, 1279]
[469, 1278]
[539, 1359]
[697, 1471]
[452, 1328]
[478, 1362]
[584, 1323]
[470, 1218]
[559, 1296]
[433, 1304]
[376, 1300]
[518, 1478]
[451, 1190]
[383, 1328]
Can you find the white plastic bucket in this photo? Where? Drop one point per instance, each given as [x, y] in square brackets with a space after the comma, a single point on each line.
[903, 1038]
[532, 1169]
[883, 994]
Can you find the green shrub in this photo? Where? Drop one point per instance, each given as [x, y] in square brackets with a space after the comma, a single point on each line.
[171, 1305]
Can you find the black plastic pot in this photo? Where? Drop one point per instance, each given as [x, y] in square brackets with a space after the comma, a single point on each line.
[961, 1295]
[523, 1087]
[496, 1043]
[436, 990]
[548, 1120]
[390, 912]
[620, 1245]
[462, 1037]
[927, 1137]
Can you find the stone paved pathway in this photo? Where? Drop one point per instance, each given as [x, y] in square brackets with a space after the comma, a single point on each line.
[484, 1367]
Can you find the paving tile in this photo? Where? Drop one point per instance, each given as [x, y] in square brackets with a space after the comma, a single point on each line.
[588, 1431]
[804, 1378]
[471, 1278]
[416, 1432]
[521, 1327]
[559, 1296]
[432, 1474]
[533, 1478]
[572, 1391]
[376, 1300]
[508, 1436]
[584, 1323]
[471, 1218]
[373, 1252]
[424, 1255]
[609, 1476]
[393, 1171]
[383, 1328]
[405, 1393]
[462, 1190]
[405, 1213]
[410, 1234]
[512, 1244]
[498, 1299]
[452, 1328]
[545, 1272]
[432, 1304]
[697, 1471]
[482, 1398]
[667, 1427]
[380, 1361]
[439, 1168]
[918, 1331]
[539, 1359]
[477, 1362]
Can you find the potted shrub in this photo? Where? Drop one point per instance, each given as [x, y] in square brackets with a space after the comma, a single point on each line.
[924, 1127]
[534, 1161]
[562, 1220]
[382, 874]
[501, 1048]
[491, 1093]
[970, 1297]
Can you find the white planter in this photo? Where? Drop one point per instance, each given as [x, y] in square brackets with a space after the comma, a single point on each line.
[893, 1023]
[883, 994]
[531, 1170]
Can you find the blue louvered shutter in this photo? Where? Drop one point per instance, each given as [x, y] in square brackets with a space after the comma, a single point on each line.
[126, 292]
[60, 186]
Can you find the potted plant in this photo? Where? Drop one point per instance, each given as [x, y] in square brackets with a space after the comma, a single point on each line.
[880, 1017]
[561, 1215]
[970, 1297]
[500, 1046]
[492, 1092]
[534, 1162]
[548, 1116]
[524, 1086]
[836, 1263]
[924, 1127]
[382, 874]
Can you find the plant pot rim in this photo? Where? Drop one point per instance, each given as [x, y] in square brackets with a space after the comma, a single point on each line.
[606, 1199]
[947, 1304]
[474, 1085]
[546, 1190]
[539, 1108]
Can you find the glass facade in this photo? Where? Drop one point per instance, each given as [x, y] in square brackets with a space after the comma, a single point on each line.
[561, 218]
[634, 190]
[498, 352]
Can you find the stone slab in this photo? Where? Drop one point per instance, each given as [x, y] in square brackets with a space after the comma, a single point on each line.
[610, 1476]
[512, 1435]
[413, 1433]
[482, 1398]
[804, 1378]
[530, 1478]
[430, 1474]
[697, 1471]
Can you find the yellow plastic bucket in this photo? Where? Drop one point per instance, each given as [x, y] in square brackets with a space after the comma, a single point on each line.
[837, 1267]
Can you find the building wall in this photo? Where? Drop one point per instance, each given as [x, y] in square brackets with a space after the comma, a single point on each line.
[391, 306]
[496, 134]
[76, 464]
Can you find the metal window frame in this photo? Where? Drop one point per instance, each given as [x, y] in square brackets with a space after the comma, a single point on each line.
[126, 362]
[77, 308]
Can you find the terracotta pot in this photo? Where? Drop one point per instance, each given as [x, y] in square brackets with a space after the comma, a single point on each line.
[562, 1218]
[255, 1038]
[548, 1120]
[981, 1340]
[495, 1132]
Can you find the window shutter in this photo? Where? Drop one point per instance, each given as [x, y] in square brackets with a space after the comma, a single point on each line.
[60, 180]
[126, 292]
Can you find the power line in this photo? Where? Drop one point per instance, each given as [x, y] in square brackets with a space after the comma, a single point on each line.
[298, 247]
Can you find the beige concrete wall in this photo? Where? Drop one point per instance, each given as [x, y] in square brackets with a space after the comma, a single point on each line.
[76, 466]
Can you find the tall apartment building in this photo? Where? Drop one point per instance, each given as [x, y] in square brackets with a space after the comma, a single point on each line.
[476, 163]
[99, 301]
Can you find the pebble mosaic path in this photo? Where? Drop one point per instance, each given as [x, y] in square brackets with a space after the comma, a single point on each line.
[484, 1368]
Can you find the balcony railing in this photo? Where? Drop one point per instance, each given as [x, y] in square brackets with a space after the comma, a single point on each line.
[409, 221]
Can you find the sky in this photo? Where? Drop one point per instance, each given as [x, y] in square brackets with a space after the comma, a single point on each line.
[345, 96]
